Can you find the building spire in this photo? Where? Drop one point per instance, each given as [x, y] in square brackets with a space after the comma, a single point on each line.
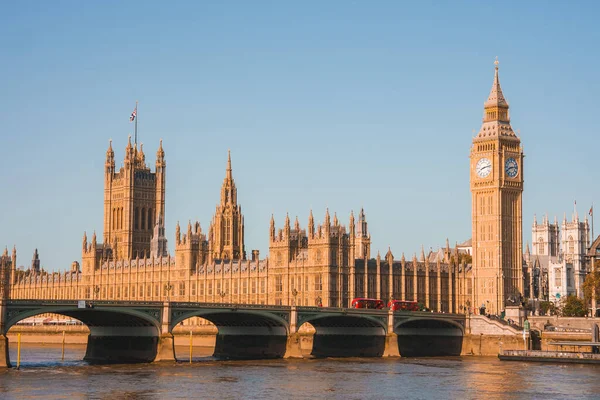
[496, 118]
[496, 97]
[229, 174]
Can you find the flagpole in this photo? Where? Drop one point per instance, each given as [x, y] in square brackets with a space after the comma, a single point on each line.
[136, 119]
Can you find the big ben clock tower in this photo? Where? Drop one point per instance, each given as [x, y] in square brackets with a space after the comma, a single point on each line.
[496, 190]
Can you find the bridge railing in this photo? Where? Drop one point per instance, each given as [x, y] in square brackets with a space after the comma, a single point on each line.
[186, 304]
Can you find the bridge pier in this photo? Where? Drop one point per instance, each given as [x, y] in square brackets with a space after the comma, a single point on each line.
[293, 347]
[391, 338]
[391, 345]
[165, 350]
[4, 357]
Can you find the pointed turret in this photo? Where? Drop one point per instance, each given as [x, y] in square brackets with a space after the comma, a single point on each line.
[84, 244]
[496, 97]
[287, 227]
[297, 225]
[403, 259]
[311, 225]
[335, 219]
[229, 172]
[129, 154]
[272, 228]
[228, 189]
[422, 253]
[361, 229]
[177, 233]
[35, 262]
[160, 153]
[158, 244]
[109, 166]
[327, 222]
[141, 156]
[496, 118]
[389, 256]
[351, 224]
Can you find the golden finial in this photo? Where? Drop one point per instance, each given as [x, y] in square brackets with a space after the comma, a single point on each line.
[496, 62]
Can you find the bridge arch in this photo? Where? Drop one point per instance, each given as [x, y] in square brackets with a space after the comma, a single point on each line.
[223, 318]
[345, 334]
[118, 334]
[91, 317]
[242, 333]
[423, 336]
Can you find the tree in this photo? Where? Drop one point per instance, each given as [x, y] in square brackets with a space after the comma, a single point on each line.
[573, 306]
[546, 308]
[592, 280]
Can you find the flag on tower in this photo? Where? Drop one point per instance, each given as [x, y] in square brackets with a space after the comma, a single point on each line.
[133, 114]
[591, 211]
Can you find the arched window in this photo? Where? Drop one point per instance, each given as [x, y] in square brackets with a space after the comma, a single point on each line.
[136, 218]
[227, 232]
[571, 245]
[143, 219]
[540, 246]
[150, 226]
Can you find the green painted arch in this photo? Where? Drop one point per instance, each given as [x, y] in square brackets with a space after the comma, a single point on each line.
[450, 322]
[203, 313]
[378, 323]
[69, 311]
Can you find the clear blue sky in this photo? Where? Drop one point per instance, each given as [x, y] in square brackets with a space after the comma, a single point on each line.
[333, 104]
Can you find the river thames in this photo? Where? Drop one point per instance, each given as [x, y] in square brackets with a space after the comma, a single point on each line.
[43, 375]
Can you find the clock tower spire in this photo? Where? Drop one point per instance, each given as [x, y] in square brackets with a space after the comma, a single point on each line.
[496, 190]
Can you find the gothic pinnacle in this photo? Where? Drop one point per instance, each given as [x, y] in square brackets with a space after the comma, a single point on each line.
[229, 173]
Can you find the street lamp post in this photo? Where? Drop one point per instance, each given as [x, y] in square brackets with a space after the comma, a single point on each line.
[168, 288]
[294, 293]
[222, 294]
[318, 301]
[96, 291]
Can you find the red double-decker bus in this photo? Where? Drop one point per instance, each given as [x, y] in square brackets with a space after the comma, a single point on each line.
[401, 305]
[361, 302]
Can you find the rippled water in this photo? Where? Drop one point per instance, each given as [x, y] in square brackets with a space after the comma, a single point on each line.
[43, 375]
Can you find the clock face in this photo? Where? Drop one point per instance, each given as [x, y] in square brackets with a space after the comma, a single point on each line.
[483, 167]
[511, 167]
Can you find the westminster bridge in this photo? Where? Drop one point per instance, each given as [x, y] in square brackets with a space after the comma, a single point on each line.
[141, 331]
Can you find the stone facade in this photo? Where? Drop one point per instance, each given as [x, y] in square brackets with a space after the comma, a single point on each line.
[496, 188]
[328, 265]
[134, 199]
[556, 265]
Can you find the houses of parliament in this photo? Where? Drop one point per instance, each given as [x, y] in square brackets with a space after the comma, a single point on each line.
[313, 265]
